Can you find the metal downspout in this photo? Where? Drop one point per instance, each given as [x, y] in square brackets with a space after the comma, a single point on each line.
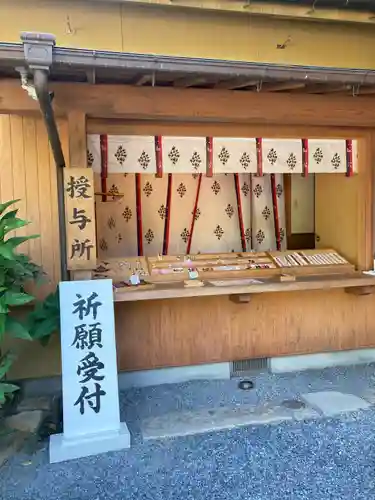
[45, 103]
[38, 54]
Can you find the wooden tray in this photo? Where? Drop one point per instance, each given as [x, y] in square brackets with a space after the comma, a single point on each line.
[211, 266]
[319, 261]
[121, 269]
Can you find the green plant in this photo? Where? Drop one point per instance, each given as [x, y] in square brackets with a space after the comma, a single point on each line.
[44, 320]
[16, 271]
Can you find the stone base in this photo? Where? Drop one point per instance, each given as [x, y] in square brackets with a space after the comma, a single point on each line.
[285, 364]
[186, 423]
[62, 449]
[174, 375]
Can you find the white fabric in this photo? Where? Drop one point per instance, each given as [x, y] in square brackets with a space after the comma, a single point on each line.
[136, 154]
[327, 156]
[184, 155]
[217, 228]
[116, 221]
[217, 225]
[126, 154]
[231, 155]
[93, 153]
[283, 156]
[263, 225]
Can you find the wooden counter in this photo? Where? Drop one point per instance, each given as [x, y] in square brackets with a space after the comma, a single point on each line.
[358, 281]
[206, 325]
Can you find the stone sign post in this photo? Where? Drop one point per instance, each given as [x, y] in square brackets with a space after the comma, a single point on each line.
[89, 373]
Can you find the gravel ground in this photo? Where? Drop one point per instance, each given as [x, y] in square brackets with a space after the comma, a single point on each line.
[140, 404]
[316, 460]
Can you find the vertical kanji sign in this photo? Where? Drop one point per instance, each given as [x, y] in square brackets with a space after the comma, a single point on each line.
[80, 218]
[89, 372]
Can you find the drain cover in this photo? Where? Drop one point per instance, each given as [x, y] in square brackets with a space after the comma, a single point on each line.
[246, 385]
[293, 404]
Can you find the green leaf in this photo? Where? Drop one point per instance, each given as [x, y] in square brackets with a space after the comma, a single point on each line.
[45, 327]
[52, 300]
[2, 325]
[44, 341]
[12, 224]
[5, 363]
[6, 391]
[6, 251]
[9, 215]
[18, 240]
[16, 329]
[4, 206]
[17, 298]
[3, 306]
[8, 388]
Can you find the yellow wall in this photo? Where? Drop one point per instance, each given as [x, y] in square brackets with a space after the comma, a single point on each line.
[302, 213]
[194, 33]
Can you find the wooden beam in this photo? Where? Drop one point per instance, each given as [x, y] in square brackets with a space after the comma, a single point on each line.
[321, 88]
[236, 84]
[77, 139]
[366, 91]
[189, 81]
[223, 129]
[241, 298]
[195, 105]
[142, 80]
[278, 87]
[91, 76]
[361, 290]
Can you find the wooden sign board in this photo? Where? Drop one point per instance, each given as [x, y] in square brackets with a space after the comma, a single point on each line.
[89, 373]
[80, 218]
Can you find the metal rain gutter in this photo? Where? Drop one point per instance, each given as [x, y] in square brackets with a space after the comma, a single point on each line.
[71, 59]
[33, 49]
[45, 103]
[159, 63]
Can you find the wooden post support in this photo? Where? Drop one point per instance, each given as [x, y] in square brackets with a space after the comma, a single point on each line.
[78, 160]
[360, 290]
[241, 298]
[77, 139]
[80, 219]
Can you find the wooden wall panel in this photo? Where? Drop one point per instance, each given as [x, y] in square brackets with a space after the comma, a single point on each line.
[169, 332]
[32, 182]
[28, 172]
[6, 167]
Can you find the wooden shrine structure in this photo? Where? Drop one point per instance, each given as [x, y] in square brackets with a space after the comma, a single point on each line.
[185, 198]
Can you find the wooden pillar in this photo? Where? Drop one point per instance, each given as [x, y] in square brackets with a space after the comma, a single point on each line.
[77, 139]
[78, 159]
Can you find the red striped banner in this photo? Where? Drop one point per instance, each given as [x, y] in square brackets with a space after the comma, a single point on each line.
[209, 146]
[159, 156]
[305, 157]
[251, 208]
[194, 214]
[104, 164]
[138, 200]
[168, 216]
[239, 210]
[275, 212]
[349, 157]
[259, 157]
